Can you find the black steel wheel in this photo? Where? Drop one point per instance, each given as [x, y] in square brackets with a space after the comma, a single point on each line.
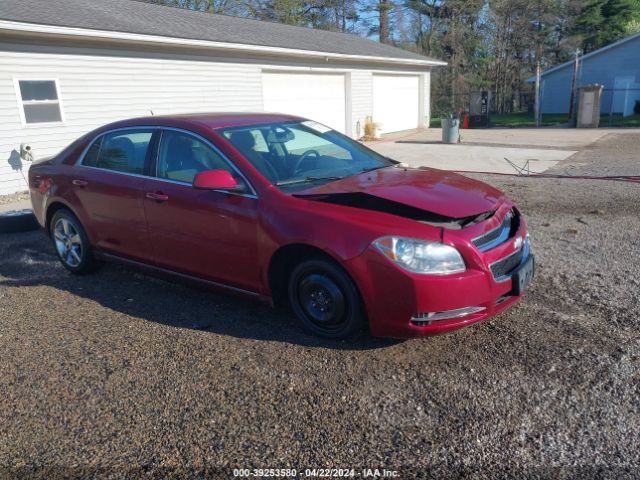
[325, 299]
[71, 243]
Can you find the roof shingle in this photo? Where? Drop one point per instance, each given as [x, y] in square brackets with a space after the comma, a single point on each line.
[143, 18]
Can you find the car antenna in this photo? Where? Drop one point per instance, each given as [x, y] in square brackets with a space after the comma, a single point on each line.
[151, 112]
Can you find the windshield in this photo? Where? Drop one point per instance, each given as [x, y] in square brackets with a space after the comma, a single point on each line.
[294, 155]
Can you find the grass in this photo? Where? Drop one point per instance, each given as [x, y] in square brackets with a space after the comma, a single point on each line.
[619, 121]
[524, 119]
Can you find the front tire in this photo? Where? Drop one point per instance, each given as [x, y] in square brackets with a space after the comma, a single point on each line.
[325, 300]
[71, 243]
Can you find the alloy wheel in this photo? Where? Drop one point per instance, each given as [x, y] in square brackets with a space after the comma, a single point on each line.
[68, 242]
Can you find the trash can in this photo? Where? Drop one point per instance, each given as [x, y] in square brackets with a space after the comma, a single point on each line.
[450, 130]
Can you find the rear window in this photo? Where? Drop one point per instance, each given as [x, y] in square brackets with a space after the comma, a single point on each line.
[123, 151]
[91, 157]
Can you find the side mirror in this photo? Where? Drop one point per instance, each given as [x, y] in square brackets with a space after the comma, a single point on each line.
[216, 180]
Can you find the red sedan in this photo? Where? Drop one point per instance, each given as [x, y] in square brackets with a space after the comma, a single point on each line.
[286, 210]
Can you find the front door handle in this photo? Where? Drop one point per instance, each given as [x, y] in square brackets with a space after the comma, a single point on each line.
[157, 196]
[80, 183]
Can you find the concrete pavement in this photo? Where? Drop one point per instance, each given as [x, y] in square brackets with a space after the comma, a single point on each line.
[546, 137]
[486, 149]
[473, 158]
[17, 205]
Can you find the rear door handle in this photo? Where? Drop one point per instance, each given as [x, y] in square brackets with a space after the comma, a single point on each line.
[158, 197]
[80, 183]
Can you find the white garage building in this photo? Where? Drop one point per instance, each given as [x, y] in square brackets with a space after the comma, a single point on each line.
[68, 66]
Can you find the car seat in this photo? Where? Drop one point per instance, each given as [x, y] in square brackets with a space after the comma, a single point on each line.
[244, 141]
[120, 155]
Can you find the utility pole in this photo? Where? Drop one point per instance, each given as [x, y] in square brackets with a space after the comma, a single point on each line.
[574, 84]
[536, 110]
[538, 57]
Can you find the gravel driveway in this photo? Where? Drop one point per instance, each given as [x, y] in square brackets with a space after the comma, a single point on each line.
[119, 374]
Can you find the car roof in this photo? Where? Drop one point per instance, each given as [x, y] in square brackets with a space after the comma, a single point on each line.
[208, 120]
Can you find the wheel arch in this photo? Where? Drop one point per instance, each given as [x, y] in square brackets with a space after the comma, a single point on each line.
[284, 260]
[52, 208]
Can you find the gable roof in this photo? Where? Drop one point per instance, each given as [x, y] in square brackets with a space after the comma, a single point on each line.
[587, 56]
[145, 19]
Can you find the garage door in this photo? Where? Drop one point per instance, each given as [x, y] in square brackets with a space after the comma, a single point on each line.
[396, 102]
[315, 96]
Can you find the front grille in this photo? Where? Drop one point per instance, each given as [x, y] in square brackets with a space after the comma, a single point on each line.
[505, 266]
[500, 234]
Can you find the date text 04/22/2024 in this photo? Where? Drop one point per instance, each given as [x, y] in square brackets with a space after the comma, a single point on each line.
[315, 473]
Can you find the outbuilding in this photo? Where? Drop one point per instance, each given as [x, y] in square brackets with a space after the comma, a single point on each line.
[68, 66]
[616, 67]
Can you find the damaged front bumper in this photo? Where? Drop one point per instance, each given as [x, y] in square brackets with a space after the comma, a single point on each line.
[401, 304]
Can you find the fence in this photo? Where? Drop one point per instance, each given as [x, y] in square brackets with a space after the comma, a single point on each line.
[620, 107]
[518, 102]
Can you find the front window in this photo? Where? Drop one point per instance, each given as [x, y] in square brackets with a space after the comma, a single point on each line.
[182, 156]
[295, 155]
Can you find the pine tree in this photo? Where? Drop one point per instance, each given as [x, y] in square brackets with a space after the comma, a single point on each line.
[604, 21]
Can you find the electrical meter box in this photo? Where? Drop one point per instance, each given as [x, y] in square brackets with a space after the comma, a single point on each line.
[479, 109]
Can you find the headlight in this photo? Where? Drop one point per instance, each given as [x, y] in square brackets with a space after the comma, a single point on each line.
[421, 256]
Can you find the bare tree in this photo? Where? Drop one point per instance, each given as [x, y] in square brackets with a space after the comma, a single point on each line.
[488, 44]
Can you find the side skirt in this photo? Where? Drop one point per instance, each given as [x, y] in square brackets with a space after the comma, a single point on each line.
[170, 274]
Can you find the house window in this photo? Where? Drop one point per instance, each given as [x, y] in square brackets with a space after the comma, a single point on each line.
[40, 101]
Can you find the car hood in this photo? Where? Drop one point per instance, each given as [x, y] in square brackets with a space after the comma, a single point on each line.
[440, 192]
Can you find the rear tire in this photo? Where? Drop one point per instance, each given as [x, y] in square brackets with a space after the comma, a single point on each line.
[325, 300]
[71, 243]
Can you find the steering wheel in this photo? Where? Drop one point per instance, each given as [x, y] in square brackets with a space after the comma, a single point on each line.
[303, 157]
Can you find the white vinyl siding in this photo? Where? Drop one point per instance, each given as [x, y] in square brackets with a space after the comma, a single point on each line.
[425, 115]
[99, 89]
[99, 85]
[361, 100]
